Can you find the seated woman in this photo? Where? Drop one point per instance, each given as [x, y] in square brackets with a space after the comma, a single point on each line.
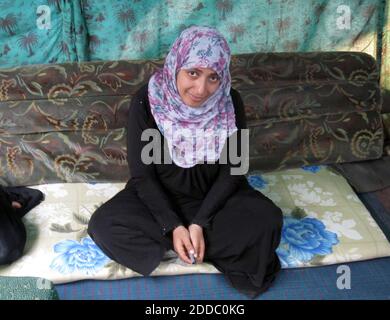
[194, 207]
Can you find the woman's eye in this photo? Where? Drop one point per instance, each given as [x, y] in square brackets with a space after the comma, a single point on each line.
[193, 74]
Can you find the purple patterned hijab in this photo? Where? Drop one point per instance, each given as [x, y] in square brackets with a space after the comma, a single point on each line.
[194, 135]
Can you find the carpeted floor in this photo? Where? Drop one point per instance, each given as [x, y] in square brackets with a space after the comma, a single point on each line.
[369, 279]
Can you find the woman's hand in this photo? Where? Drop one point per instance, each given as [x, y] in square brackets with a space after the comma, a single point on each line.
[197, 239]
[182, 243]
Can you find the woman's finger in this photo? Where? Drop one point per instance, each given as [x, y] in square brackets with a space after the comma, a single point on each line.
[195, 244]
[190, 249]
[186, 248]
[181, 251]
[201, 251]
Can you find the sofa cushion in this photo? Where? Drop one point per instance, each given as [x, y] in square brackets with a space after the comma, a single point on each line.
[67, 122]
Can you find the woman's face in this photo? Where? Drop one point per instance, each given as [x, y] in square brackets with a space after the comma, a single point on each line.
[196, 85]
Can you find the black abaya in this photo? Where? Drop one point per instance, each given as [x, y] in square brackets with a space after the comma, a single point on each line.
[241, 226]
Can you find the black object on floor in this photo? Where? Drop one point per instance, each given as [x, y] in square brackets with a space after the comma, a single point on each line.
[12, 229]
[366, 176]
[377, 210]
[27, 197]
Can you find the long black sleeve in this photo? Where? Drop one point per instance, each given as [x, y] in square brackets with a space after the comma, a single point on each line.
[143, 176]
[226, 183]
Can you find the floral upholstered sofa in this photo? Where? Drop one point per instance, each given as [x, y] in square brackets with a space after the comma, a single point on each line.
[63, 131]
[67, 122]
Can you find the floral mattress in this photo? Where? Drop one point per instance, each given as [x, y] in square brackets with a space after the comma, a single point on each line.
[324, 223]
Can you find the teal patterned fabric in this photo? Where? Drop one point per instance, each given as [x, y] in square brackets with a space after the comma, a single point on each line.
[146, 29]
[29, 36]
[133, 29]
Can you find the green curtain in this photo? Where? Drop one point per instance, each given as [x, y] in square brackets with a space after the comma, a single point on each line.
[146, 29]
[29, 35]
[130, 29]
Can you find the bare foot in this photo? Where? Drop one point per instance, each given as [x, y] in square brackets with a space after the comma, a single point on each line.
[16, 205]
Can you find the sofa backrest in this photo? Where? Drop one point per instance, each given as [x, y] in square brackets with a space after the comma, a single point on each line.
[67, 122]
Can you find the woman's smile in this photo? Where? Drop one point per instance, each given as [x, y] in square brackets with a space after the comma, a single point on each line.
[195, 98]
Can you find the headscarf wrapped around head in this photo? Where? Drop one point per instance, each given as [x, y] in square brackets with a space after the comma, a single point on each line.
[194, 134]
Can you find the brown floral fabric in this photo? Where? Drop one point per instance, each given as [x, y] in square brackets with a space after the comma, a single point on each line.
[67, 122]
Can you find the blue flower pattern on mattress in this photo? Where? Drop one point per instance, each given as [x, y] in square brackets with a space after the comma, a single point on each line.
[84, 256]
